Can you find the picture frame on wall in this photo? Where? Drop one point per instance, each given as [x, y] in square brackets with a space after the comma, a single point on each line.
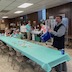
[2, 26]
[63, 15]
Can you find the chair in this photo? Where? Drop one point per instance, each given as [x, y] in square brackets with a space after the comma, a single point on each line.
[1, 44]
[35, 66]
[31, 63]
[26, 68]
[20, 60]
[11, 54]
[17, 59]
[4, 50]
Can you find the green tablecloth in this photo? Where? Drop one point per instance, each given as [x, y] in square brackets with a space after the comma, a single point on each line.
[45, 57]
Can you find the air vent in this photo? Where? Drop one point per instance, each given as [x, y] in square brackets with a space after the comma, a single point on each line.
[4, 11]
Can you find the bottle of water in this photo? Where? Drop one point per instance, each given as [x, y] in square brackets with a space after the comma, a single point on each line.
[62, 51]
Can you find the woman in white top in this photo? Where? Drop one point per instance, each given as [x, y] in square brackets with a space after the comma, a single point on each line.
[23, 29]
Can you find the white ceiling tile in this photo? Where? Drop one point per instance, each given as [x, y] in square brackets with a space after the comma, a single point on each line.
[15, 4]
[18, 2]
[34, 1]
[5, 2]
[2, 7]
[38, 5]
[9, 8]
[22, 0]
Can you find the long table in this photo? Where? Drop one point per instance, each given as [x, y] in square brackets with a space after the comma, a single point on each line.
[45, 57]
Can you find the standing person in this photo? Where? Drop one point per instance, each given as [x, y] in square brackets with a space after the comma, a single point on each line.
[59, 40]
[34, 24]
[43, 27]
[33, 29]
[28, 30]
[23, 29]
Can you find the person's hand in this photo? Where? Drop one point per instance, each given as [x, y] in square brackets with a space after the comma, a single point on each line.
[50, 30]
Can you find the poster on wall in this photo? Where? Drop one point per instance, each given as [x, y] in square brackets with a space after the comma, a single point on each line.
[63, 15]
[2, 26]
[51, 17]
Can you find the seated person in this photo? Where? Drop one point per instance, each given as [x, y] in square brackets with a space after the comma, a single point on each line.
[17, 34]
[7, 32]
[13, 34]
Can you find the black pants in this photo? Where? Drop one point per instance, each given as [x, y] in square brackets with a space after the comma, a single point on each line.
[61, 67]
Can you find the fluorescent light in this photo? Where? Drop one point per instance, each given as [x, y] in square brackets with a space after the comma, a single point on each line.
[5, 17]
[17, 12]
[25, 5]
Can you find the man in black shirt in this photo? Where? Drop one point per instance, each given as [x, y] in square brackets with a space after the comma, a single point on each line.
[59, 41]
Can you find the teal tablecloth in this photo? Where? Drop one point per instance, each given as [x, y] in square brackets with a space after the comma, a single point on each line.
[45, 57]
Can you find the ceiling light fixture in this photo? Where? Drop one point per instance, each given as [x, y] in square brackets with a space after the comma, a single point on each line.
[5, 17]
[17, 12]
[25, 5]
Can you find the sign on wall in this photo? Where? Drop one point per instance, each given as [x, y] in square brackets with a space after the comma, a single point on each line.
[2, 26]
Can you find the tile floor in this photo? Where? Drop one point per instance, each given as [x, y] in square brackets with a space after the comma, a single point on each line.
[5, 66]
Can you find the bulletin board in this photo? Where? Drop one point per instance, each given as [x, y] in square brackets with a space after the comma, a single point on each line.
[2, 26]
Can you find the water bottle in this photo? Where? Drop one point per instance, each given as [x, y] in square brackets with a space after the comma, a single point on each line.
[62, 51]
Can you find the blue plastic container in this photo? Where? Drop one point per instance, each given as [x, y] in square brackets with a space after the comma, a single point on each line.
[45, 37]
[62, 51]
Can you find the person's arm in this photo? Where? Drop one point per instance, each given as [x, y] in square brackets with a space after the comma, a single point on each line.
[60, 32]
